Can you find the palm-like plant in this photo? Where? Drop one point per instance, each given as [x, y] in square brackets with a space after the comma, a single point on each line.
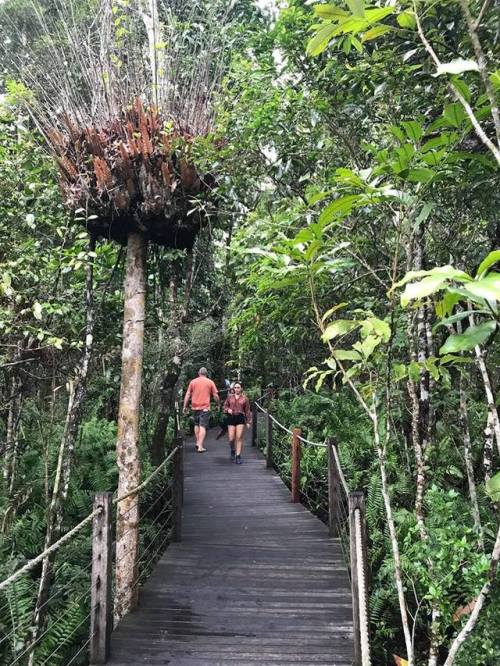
[121, 89]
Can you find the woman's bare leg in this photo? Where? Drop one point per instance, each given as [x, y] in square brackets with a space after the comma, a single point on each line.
[231, 435]
[240, 431]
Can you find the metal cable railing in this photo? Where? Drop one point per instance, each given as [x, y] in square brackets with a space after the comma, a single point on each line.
[73, 611]
[324, 490]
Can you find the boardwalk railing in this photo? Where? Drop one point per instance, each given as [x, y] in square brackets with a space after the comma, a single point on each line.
[330, 498]
[80, 610]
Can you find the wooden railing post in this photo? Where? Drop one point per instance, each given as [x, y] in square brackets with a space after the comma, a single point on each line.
[101, 605]
[356, 501]
[296, 465]
[269, 440]
[255, 414]
[178, 489]
[333, 490]
[176, 420]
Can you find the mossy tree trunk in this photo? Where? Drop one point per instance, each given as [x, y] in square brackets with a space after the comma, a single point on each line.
[127, 445]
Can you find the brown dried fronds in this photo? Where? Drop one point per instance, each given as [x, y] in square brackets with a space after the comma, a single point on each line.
[132, 173]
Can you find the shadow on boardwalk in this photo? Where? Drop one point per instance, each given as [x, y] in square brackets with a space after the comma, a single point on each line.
[256, 579]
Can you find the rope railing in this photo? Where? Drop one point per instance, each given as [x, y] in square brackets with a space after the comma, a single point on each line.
[326, 492]
[82, 603]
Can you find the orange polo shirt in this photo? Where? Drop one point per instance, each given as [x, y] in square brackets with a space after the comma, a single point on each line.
[201, 390]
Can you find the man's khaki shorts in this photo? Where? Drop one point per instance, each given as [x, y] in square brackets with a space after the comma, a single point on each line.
[201, 418]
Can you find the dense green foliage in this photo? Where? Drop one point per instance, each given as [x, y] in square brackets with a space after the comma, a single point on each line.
[342, 164]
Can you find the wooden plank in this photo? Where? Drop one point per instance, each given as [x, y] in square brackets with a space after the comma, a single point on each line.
[255, 580]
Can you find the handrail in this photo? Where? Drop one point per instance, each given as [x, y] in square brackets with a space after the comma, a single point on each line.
[362, 592]
[346, 520]
[340, 470]
[283, 427]
[60, 542]
[48, 551]
[142, 485]
[102, 560]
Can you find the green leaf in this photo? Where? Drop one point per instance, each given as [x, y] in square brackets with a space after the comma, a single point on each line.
[445, 306]
[346, 355]
[493, 487]
[375, 32]
[491, 259]
[381, 328]
[37, 310]
[339, 327]
[357, 7]
[407, 20]
[459, 316]
[448, 271]
[456, 67]
[398, 132]
[472, 337]
[414, 371]
[413, 130]
[454, 114]
[348, 177]
[399, 372]
[329, 312]
[357, 44]
[488, 287]
[461, 87]
[453, 358]
[369, 344]
[376, 15]
[426, 287]
[422, 175]
[329, 11]
[342, 206]
[321, 39]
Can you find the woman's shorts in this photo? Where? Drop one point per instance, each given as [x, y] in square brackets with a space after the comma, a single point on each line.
[236, 419]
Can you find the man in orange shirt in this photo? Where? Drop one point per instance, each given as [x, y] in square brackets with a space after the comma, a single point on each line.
[199, 392]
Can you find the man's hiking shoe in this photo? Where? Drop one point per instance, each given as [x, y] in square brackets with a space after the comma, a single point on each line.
[239, 461]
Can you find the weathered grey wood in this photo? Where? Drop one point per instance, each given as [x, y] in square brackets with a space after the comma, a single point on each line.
[269, 441]
[255, 416]
[295, 481]
[178, 489]
[255, 581]
[356, 501]
[334, 491]
[101, 605]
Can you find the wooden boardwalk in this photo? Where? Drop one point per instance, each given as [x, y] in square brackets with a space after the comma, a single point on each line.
[256, 579]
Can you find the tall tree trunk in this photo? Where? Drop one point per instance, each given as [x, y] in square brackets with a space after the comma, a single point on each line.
[488, 449]
[76, 398]
[178, 317]
[464, 422]
[12, 432]
[127, 445]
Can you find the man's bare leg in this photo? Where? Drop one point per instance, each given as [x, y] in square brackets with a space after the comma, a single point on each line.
[200, 438]
[197, 434]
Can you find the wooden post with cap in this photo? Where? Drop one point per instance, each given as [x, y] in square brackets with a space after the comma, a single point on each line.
[296, 451]
[269, 441]
[178, 488]
[333, 490]
[254, 423]
[101, 605]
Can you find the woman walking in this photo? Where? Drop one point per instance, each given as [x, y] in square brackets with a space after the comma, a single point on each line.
[237, 406]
